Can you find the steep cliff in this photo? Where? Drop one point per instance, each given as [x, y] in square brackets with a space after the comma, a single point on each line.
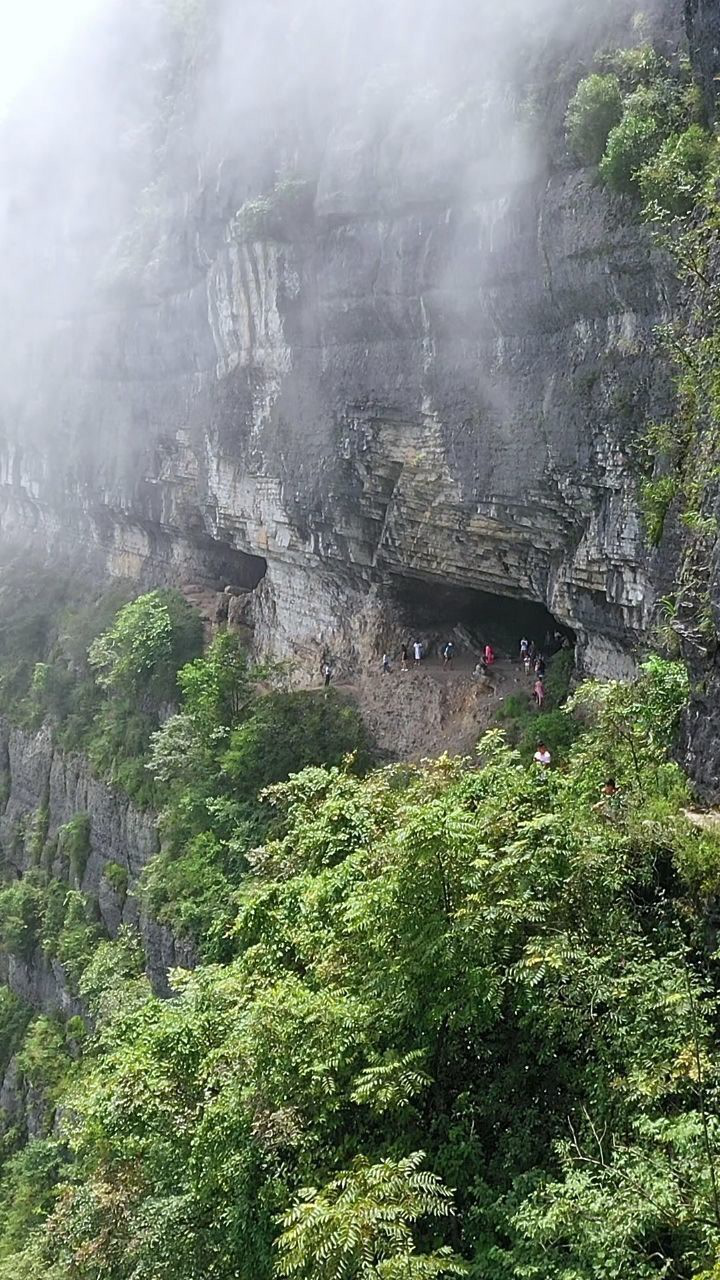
[333, 298]
[38, 779]
[703, 24]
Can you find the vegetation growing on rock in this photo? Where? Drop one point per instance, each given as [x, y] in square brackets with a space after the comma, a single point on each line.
[640, 122]
[459, 1007]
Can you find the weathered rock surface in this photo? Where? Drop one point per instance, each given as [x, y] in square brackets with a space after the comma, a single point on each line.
[422, 355]
[703, 22]
[37, 777]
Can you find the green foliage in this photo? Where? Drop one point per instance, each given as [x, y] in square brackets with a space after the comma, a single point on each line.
[36, 834]
[149, 640]
[214, 759]
[661, 153]
[630, 146]
[637, 118]
[276, 215]
[193, 892]
[656, 496]
[117, 877]
[506, 968]
[216, 688]
[21, 908]
[74, 844]
[674, 177]
[114, 976]
[14, 1019]
[28, 1191]
[286, 731]
[595, 109]
[38, 911]
[527, 725]
[558, 677]
[688, 447]
[43, 1058]
[641, 65]
[361, 1224]
[79, 935]
[98, 670]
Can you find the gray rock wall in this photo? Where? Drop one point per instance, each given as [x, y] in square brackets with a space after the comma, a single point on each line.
[39, 777]
[428, 360]
[703, 23]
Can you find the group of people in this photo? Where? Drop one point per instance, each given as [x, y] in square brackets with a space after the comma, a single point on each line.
[415, 651]
[409, 648]
[535, 665]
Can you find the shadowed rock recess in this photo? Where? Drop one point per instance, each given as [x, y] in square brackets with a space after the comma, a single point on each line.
[367, 322]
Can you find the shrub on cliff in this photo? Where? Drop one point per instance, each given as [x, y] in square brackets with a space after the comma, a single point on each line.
[14, 1018]
[630, 145]
[148, 642]
[639, 121]
[21, 911]
[287, 731]
[673, 179]
[594, 110]
[230, 740]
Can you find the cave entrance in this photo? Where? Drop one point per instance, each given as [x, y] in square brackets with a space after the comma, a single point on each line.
[227, 566]
[246, 570]
[437, 612]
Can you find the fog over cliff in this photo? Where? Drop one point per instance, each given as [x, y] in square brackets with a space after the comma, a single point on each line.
[319, 283]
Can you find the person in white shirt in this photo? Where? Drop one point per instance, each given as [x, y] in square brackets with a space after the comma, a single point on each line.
[417, 651]
[542, 756]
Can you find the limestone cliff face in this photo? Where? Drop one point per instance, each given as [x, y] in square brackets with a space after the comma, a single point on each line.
[38, 778]
[703, 23]
[374, 329]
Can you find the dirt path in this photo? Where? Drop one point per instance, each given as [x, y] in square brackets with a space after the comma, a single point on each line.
[426, 711]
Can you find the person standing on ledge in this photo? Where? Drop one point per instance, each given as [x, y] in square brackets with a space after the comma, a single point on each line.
[326, 671]
[417, 652]
[539, 693]
[448, 653]
[386, 664]
[404, 654]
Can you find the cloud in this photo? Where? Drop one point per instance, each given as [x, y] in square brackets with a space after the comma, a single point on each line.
[35, 34]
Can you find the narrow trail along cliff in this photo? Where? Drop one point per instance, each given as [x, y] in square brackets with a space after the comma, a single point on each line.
[421, 713]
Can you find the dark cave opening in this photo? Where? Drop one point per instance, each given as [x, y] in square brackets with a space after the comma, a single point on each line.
[435, 612]
[229, 567]
[248, 570]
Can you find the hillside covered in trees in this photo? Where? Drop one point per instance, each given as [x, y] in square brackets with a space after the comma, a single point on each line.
[451, 1018]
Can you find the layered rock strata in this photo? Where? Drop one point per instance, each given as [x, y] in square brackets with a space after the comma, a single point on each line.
[404, 337]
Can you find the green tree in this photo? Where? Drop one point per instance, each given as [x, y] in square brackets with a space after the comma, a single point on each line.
[483, 961]
[630, 146]
[673, 179]
[594, 110]
[149, 640]
[286, 731]
[361, 1225]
